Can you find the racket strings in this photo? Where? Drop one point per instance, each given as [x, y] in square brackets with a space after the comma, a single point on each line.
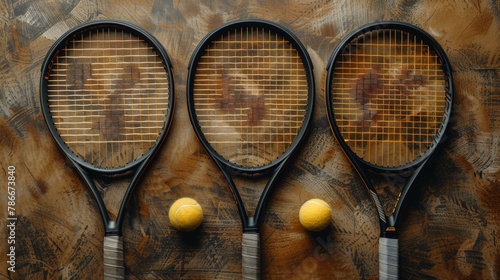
[250, 93]
[108, 93]
[388, 95]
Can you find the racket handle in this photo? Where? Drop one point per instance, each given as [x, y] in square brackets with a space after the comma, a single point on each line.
[388, 258]
[251, 256]
[113, 258]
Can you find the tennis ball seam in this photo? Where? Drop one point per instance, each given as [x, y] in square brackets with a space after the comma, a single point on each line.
[320, 204]
[180, 207]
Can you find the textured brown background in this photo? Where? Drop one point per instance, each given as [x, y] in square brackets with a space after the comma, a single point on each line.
[452, 228]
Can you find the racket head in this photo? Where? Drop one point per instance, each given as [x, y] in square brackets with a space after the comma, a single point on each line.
[238, 75]
[112, 79]
[389, 95]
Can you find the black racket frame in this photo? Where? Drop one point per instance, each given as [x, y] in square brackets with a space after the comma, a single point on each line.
[414, 167]
[86, 169]
[250, 224]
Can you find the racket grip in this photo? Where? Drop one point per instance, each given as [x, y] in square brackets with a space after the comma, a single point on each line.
[388, 258]
[251, 256]
[113, 258]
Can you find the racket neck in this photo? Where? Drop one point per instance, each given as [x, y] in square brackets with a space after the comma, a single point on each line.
[266, 192]
[100, 203]
[116, 227]
[112, 227]
[406, 189]
[250, 224]
[386, 223]
[388, 227]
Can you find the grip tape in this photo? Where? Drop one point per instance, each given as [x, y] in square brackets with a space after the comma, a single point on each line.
[388, 258]
[113, 258]
[251, 256]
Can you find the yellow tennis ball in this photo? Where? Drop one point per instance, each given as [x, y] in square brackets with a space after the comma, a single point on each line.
[185, 214]
[315, 215]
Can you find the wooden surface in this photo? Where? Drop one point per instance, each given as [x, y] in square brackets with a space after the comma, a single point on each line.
[452, 230]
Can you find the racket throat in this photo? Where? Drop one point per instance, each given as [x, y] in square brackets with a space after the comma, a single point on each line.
[250, 225]
[389, 228]
[390, 232]
[112, 228]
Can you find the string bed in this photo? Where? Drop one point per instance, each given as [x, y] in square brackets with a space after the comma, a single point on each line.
[108, 94]
[388, 97]
[250, 93]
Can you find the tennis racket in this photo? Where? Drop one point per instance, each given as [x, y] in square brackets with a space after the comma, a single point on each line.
[389, 98]
[107, 98]
[250, 95]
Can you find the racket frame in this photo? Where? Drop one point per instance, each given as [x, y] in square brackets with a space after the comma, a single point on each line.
[414, 167]
[388, 241]
[250, 223]
[86, 169]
